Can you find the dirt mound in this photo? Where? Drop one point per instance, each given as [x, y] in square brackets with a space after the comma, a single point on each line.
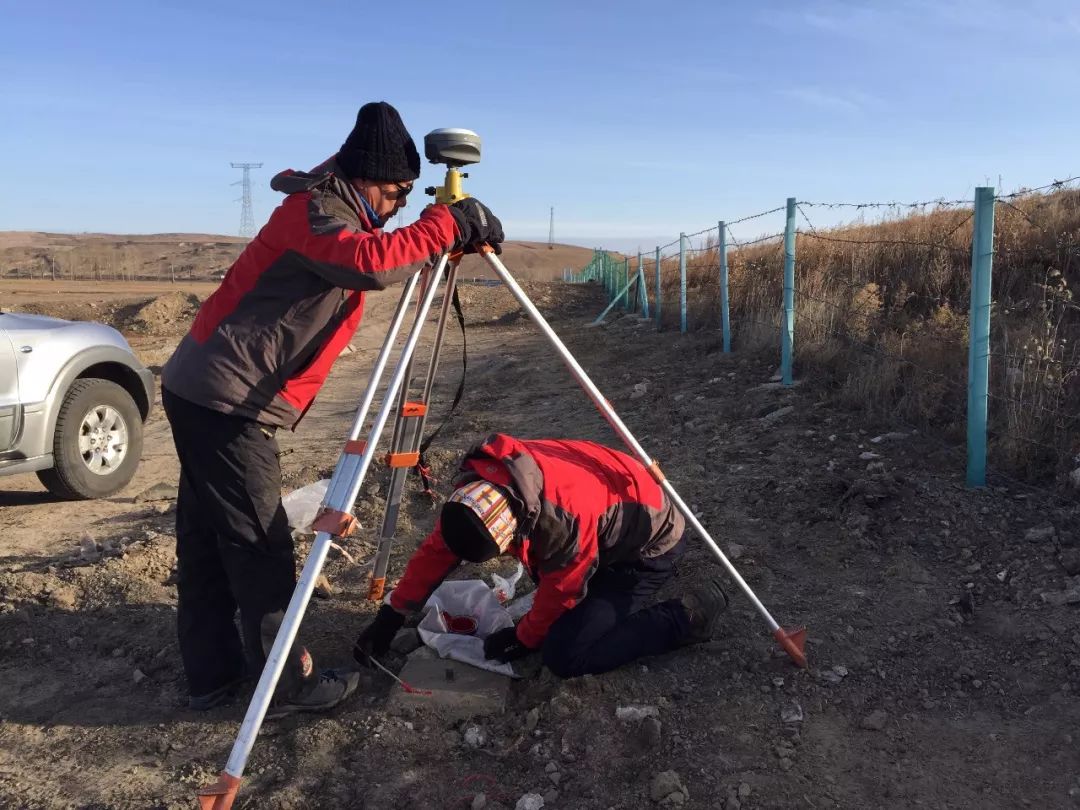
[167, 314]
[108, 313]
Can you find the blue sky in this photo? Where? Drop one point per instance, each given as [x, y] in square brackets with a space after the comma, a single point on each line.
[634, 119]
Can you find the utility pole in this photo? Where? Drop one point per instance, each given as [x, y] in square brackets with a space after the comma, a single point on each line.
[551, 230]
[247, 218]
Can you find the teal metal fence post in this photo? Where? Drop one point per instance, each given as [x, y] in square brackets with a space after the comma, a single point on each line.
[616, 279]
[620, 271]
[982, 261]
[636, 305]
[618, 297]
[626, 282]
[643, 289]
[725, 314]
[620, 275]
[659, 324]
[622, 284]
[682, 282]
[787, 331]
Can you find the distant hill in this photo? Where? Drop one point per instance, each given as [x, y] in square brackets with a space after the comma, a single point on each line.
[204, 257]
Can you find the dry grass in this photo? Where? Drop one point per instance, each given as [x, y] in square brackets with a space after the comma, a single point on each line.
[882, 318]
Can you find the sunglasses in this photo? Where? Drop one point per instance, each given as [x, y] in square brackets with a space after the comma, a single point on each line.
[401, 193]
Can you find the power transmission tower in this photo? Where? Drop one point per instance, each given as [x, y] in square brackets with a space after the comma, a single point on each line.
[247, 218]
[551, 230]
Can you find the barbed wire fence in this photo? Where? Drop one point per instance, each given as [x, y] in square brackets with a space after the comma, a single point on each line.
[947, 317]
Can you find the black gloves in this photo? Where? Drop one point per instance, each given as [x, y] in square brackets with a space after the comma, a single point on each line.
[503, 645]
[376, 638]
[476, 225]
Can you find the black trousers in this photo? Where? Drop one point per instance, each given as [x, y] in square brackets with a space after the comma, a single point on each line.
[611, 627]
[234, 549]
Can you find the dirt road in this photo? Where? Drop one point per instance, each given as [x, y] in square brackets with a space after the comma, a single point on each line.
[940, 677]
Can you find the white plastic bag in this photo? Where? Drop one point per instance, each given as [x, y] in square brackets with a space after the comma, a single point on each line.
[506, 588]
[459, 615]
[519, 607]
[301, 505]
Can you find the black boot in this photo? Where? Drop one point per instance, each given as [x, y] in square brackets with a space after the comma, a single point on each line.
[703, 605]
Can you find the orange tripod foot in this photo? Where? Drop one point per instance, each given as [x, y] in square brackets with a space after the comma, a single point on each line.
[221, 794]
[793, 642]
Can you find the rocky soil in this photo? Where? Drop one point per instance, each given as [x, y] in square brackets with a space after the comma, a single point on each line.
[944, 623]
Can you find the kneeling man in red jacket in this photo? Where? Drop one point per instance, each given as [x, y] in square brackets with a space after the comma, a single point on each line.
[596, 533]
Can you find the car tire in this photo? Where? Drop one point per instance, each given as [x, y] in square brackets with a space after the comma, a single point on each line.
[97, 443]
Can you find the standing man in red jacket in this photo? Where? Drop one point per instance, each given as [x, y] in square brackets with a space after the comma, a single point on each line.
[257, 354]
[592, 527]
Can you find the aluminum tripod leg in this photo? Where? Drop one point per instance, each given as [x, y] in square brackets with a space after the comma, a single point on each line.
[405, 445]
[340, 498]
[345, 471]
[791, 641]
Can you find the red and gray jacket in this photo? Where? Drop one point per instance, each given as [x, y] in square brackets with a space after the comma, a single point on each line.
[263, 343]
[579, 506]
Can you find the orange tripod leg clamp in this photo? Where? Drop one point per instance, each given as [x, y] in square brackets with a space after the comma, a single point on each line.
[402, 459]
[339, 524]
[414, 409]
[221, 794]
[355, 447]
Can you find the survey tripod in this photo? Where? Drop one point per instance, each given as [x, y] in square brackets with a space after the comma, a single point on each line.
[455, 148]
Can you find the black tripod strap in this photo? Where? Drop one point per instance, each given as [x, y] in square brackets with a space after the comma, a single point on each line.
[422, 468]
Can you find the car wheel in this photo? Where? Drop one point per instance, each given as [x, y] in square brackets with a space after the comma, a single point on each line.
[97, 444]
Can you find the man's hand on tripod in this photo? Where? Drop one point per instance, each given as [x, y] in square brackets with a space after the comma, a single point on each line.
[476, 226]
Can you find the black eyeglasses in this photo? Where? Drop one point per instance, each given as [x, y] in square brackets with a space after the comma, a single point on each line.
[402, 191]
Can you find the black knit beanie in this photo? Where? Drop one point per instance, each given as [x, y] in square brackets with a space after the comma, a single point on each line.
[379, 147]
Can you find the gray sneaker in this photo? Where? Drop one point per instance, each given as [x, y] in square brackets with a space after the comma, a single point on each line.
[332, 687]
[703, 605]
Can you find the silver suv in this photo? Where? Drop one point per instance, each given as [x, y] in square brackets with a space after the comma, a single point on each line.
[73, 400]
